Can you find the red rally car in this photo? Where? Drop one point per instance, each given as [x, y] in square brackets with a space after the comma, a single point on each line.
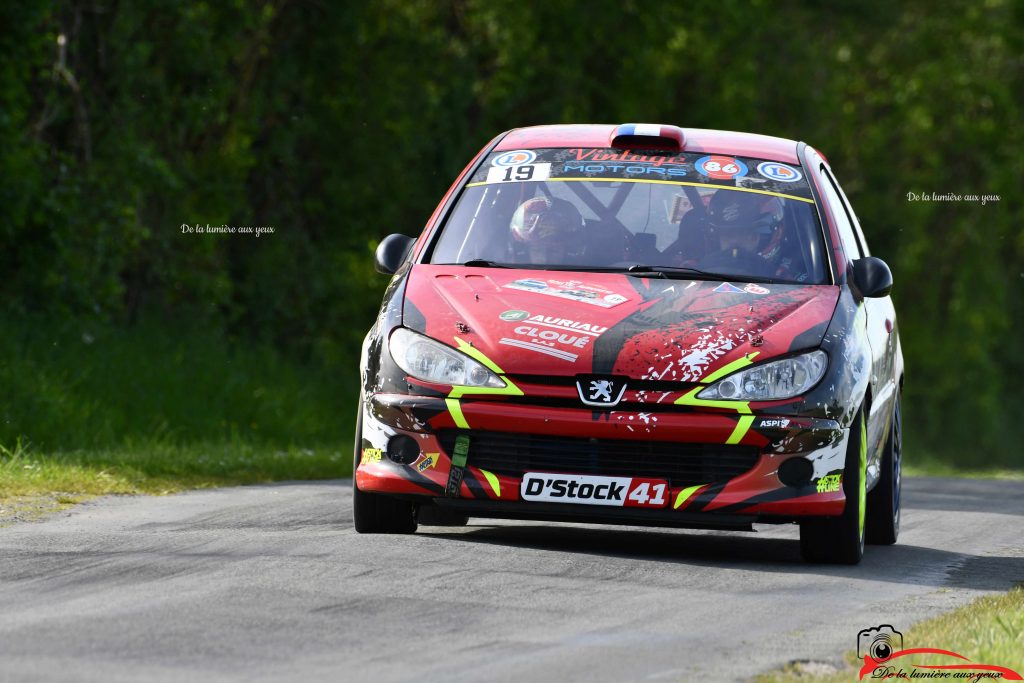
[636, 324]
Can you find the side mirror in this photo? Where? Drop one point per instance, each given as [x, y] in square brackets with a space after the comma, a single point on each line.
[872, 277]
[391, 252]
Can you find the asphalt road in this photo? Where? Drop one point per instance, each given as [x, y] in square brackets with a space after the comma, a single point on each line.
[272, 583]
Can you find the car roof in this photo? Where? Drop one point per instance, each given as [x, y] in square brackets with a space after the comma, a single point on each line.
[697, 140]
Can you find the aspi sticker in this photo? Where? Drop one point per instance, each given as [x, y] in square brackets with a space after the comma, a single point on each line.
[519, 157]
[755, 289]
[720, 168]
[773, 170]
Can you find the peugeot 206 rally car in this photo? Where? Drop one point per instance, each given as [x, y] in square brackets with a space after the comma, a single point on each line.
[636, 324]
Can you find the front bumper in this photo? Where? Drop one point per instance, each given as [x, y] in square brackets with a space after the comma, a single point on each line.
[721, 468]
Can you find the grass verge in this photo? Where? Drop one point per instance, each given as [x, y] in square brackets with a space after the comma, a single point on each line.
[162, 468]
[33, 484]
[989, 630]
[88, 408]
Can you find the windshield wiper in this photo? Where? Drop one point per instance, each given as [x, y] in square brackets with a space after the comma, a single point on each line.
[682, 273]
[482, 263]
[635, 270]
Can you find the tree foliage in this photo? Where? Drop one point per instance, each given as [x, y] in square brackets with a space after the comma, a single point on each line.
[338, 123]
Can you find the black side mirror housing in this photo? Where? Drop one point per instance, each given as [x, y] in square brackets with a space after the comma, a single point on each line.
[391, 253]
[872, 277]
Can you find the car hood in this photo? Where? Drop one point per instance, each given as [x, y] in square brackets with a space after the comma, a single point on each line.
[556, 323]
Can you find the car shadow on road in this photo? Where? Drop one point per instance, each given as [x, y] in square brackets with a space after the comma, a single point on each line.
[906, 564]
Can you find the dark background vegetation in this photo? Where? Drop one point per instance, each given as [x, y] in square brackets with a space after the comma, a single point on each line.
[340, 122]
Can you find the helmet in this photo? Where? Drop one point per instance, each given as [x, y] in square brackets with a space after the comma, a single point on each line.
[744, 227]
[548, 228]
[730, 210]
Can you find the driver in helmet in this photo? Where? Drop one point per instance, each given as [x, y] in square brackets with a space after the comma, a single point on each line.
[547, 231]
[746, 227]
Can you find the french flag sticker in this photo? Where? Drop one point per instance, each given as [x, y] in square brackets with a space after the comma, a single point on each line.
[646, 129]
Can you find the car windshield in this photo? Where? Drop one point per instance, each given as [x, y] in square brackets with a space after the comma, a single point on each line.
[655, 212]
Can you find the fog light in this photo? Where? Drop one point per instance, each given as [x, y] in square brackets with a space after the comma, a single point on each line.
[403, 450]
[796, 472]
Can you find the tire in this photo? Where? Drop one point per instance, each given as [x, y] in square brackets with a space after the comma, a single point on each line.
[884, 509]
[840, 540]
[374, 513]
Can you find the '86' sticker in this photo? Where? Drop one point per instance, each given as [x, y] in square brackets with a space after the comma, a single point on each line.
[720, 167]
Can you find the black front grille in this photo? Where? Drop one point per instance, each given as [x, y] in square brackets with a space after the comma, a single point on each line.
[682, 464]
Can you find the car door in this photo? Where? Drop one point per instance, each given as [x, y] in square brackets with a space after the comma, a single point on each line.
[881, 325]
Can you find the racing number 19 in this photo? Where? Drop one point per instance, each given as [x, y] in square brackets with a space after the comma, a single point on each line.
[522, 173]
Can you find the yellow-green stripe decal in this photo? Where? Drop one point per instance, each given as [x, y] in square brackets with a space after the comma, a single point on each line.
[690, 397]
[476, 354]
[741, 429]
[455, 408]
[458, 391]
[493, 481]
[685, 495]
[730, 368]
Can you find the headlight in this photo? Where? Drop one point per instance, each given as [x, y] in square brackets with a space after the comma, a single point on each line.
[431, 361]
[779, 379]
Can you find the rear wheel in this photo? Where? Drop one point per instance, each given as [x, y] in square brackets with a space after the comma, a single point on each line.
[883, 517]
[374, 513]
[840, 540]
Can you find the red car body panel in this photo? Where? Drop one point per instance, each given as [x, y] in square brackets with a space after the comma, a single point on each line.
[458, 298]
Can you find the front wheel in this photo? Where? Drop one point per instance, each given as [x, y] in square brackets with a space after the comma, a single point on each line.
[883, 520]
[840, 540]
[374, 513]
